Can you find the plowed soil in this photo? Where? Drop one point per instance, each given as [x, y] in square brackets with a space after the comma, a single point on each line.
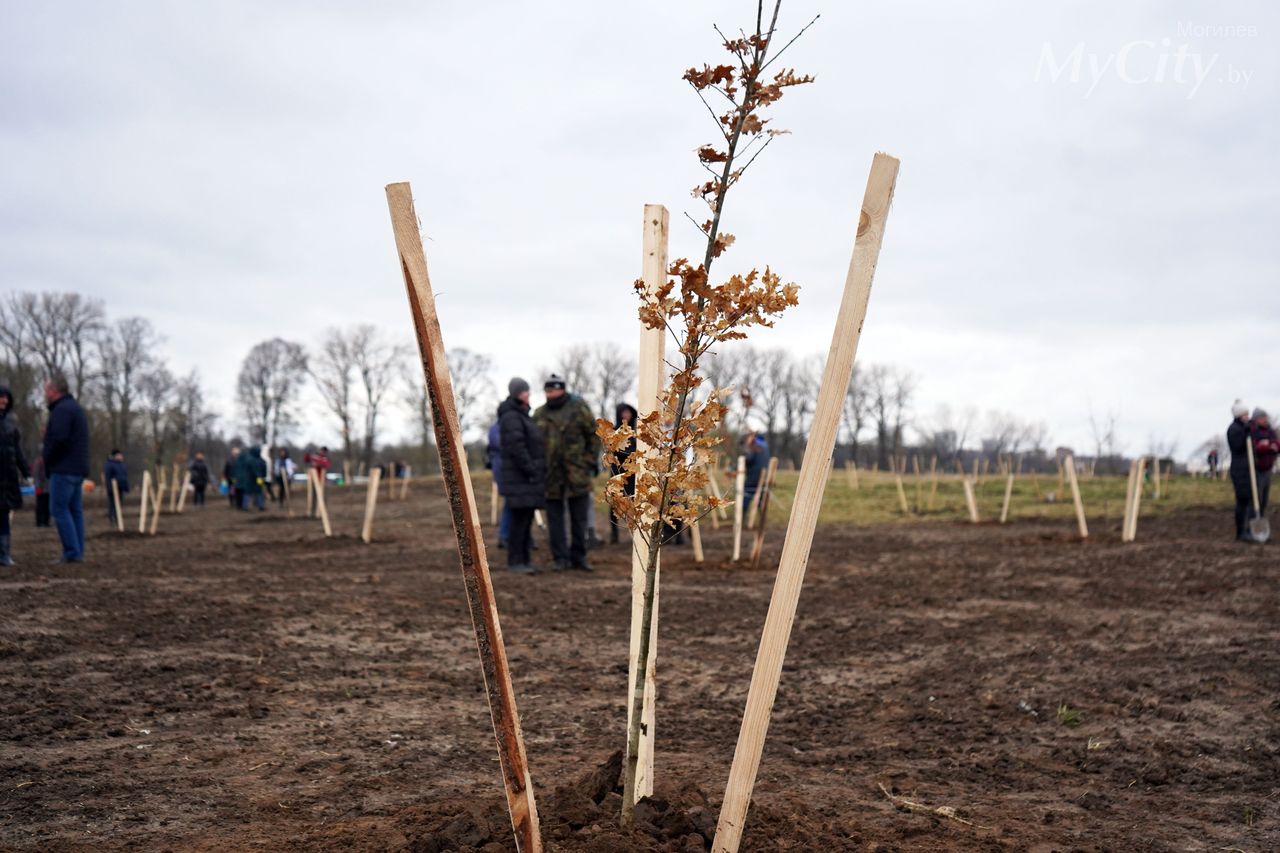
[241, 682]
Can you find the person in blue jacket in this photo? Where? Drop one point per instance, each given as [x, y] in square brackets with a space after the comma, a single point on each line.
[66, 456]
[114, 471]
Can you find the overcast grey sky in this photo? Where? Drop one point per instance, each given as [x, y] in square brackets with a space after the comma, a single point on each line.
[1086, 212]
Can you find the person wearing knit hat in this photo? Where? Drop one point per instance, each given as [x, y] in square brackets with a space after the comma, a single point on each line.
[573, 457]
[1237, 439]
[521, 474]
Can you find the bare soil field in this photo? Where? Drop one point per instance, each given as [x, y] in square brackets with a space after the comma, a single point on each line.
[240, 682]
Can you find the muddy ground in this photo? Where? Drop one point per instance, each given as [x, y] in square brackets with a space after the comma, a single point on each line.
[239, 682]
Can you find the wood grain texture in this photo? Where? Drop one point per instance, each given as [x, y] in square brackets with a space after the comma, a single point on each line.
[808, 499]
[370, 506]
[740, 489]
[971, 500]
[1008, 496]
[466, 521]
[146, 494]
[321, 507]
[1069, 467]
[115, 495]
[653, 270]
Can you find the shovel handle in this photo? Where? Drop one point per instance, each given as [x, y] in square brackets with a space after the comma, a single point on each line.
[1253, 474]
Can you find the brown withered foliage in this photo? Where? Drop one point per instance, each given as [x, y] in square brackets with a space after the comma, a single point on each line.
[676, 440]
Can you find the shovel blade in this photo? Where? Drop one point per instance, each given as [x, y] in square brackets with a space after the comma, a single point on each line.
[1259, 529]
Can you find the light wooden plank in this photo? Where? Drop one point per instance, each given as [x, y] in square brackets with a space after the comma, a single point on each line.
[466, 520]
[805, 507]
[1069, 467]
[740, 489]
[370, 505]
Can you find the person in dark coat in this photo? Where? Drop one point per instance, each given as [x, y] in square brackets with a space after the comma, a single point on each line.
[523, 472]
[493, 461]
[573, 459]
[757, 452]
[199, 470]
[626, 414]
[13, 470]
[251, 474]
[66, 456]
[114, 471]
[229, 477]
[1237, 437]
[40, 477]
[1265, 449]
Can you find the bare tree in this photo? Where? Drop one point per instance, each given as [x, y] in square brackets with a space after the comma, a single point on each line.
[192, 422]
[855, 410]
[472, 388]
[125, 353]
[1106, 441]
[270, 378]
[156, 400]
[416, 398]
[333, 368]
[62, 327]
[375, 365]
[612, 373]
[891, 390]
[574, 364]
[19, 369]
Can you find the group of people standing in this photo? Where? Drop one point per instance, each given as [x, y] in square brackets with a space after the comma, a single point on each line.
[545, 459]
[64, 459]
[1250, 438]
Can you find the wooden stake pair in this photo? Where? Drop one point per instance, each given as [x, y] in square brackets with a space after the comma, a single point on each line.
[316, 491]
[759, 493]
[466, 523]
[804, 515]
[1069, 471]
[1133, 500]
[764, 490]
[370, 506]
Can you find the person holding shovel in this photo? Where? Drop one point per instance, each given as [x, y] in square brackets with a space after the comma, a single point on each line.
[1265, 449]
[1238, 436]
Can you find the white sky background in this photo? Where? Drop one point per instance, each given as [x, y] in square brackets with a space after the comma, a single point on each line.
[219, 169]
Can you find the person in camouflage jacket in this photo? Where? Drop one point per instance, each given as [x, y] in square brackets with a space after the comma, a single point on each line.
[573, 459]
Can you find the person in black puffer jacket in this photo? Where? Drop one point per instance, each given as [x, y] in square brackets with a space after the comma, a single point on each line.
[66, 453]
[1237, 438]
[13, 470]
[523, 478]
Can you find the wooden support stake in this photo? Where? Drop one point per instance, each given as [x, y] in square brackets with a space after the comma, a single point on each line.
[933, 475]
[1069, 467]
[146, 493]
[173, 496]
[311, 493]
[1128, 500]
[740, 489]
[1008, 495]
[1155, 479]
[182, 496]
[495, 501]
[804, 515]
[971, 500]
[653, 271]
[115, 494]
[755, 498]
[766, 485]
[902, 495]
[466, 522]
[320, 504]
[159, 503]
[695, 536]
[540, 519]
[1137, 499]
[919, 475]
[404, 485]
[370, 506]
[346, 472]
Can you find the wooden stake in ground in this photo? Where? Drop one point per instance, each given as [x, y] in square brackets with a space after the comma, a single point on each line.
[318, 479]
[1008, 495]
[852, 467]
[495, 501]
[173, 496]
[311, 493]
[715, 490]
[765, 487]
[146, 493]
[933, 476]
[159, 503]
[466, 523]
[902, 495]
[758, 496]
[808, 499]
[370, 506]
[404, 485]
[653, 271]
[919, 476]
[346, 472]
[1130, 531]
[1128, 500]
[115, 495]
[695, 536]
[740, 488]
[1069, 467]
[182, 492]
[971, 500]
